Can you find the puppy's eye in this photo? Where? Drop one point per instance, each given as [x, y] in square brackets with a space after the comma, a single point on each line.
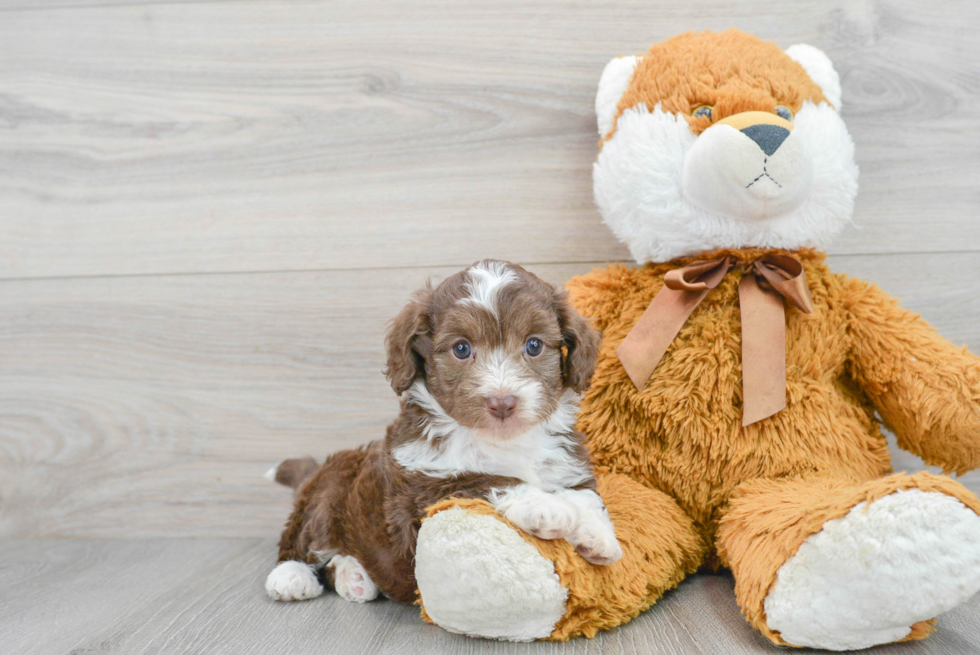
[462, 350]
[704, 111]
[784, 112]
[533, 347]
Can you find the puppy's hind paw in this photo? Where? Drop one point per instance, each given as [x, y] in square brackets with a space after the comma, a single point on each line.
[351, 581]
[292, 580]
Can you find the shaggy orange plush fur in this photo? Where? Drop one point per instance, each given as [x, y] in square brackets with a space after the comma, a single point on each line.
[730, 72]
[682, 433]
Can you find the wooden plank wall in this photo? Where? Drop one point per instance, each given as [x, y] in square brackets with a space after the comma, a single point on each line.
[209, 209]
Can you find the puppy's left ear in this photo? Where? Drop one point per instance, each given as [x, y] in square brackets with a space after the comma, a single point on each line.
[581, 343]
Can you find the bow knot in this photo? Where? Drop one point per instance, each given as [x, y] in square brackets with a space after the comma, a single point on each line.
[764, 284]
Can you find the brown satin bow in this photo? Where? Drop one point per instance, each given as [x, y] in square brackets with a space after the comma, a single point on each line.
[760, 297]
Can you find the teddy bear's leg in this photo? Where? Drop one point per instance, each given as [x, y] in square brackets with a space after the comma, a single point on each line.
[478, 575]
[843, 565]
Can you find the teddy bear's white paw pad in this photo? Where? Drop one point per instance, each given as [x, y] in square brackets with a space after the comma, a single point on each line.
[292, 580]
[866, 578]
[478, 576]
[351, 581]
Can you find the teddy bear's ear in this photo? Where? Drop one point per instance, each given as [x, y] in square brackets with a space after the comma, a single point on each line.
[612, 85]
[820, 69]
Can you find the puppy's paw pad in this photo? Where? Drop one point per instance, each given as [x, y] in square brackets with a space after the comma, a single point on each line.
[292, 580]
[351, 581]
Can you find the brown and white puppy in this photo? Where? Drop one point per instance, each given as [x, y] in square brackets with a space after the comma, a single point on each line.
[489, 365]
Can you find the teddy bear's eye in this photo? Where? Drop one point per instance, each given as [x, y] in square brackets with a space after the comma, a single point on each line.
[704, 111]
[784, 112]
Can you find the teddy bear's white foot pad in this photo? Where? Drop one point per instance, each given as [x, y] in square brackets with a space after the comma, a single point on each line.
[867, 577]
[479, 577]
[351, 581]
[292, 580]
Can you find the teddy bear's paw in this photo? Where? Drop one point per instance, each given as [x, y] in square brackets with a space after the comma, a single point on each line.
[351, 581]
[478, 576]
[545, 515]
[292, 580]
[867, 577]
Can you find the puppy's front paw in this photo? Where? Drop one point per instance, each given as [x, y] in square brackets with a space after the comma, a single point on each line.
[544, 515]
[596, 546]
[594, 538]
[292, 580]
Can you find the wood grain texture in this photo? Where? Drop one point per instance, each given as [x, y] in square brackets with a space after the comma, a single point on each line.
[151, 406]
[205, 596]
[262, 136]
[209, 210]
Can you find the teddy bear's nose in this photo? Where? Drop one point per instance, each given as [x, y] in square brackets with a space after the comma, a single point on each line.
[767, 137]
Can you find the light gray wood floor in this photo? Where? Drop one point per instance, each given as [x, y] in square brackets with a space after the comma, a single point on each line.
[205, 596]
[209, 209]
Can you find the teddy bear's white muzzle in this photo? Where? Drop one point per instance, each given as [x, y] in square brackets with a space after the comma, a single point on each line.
[757, 173]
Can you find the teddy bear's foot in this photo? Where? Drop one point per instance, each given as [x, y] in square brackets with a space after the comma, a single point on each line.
[477, 576]
[868, 577]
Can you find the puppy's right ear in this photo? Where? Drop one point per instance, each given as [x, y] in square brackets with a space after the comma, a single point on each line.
[409, 342]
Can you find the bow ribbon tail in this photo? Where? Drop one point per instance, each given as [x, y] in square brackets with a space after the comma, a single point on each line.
[763, 351]
[647, 342]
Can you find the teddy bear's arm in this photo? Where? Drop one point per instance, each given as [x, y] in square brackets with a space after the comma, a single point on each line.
[600, 295]
[926, 389]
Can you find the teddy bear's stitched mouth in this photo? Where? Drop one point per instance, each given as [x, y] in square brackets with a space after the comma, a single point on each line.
[763, 174]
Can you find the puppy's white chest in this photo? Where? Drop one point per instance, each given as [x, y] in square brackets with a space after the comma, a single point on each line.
[538, 458]
[543, 456]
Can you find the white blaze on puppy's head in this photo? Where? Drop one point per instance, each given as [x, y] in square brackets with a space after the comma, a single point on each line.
[700, 155]
[484, 281]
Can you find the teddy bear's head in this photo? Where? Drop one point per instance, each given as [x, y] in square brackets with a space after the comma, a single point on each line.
[722, 140]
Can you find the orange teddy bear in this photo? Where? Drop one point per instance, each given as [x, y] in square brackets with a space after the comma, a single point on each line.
[733, 413]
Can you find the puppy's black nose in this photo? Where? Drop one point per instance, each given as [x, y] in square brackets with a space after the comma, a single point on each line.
[767, 137]
[501, 406]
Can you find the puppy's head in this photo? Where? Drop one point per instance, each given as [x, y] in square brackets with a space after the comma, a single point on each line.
[494, 345]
